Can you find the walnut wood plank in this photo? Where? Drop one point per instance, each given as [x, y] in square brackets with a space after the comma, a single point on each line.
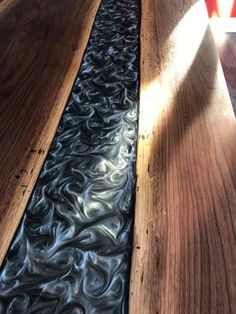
[227, 53]
[224, 33]
[41, 47]
[184, 234]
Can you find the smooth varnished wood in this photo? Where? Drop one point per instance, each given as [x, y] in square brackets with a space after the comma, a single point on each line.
[41, 47]
[184, 234]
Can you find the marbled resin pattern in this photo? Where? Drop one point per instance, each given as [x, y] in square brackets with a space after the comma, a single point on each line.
[71, 253]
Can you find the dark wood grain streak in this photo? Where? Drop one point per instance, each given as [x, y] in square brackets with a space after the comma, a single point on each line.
[41, 46]
[184, 234]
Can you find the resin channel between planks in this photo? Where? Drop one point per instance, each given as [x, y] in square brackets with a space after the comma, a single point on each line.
[71, 252]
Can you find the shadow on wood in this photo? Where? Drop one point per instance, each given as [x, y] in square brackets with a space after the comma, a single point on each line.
[184, 229]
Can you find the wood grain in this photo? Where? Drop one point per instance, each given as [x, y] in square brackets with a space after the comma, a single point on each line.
[41, 47]
[184, 234]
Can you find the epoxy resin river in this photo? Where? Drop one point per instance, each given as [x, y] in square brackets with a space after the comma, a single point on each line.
[71, 253]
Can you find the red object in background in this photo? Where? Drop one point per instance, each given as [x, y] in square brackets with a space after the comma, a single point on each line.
[233, 13]
[213, 8]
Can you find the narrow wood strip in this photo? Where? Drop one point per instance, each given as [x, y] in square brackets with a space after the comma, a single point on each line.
[226, 47]
[41, 46]
[184, 234]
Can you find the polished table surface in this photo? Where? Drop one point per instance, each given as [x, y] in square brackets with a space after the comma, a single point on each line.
[41, 46]
[184, 233]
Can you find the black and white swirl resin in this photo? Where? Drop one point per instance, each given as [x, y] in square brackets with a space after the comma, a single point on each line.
[71, 253]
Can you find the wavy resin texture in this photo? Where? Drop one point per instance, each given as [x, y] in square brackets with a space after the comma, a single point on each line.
[72, 250]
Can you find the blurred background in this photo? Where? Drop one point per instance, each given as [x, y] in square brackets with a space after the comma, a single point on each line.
[221, 8]
[222, 18]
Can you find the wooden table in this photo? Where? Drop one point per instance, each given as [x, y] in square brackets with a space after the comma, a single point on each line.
[41, 46]
[184, 234]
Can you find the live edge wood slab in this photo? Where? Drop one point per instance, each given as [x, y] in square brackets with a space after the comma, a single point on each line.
[184, 234]
[41, 47]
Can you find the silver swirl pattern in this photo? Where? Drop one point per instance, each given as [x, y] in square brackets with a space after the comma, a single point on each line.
[71, 252]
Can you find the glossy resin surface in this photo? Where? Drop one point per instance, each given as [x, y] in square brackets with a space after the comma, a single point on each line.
[71, 253]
